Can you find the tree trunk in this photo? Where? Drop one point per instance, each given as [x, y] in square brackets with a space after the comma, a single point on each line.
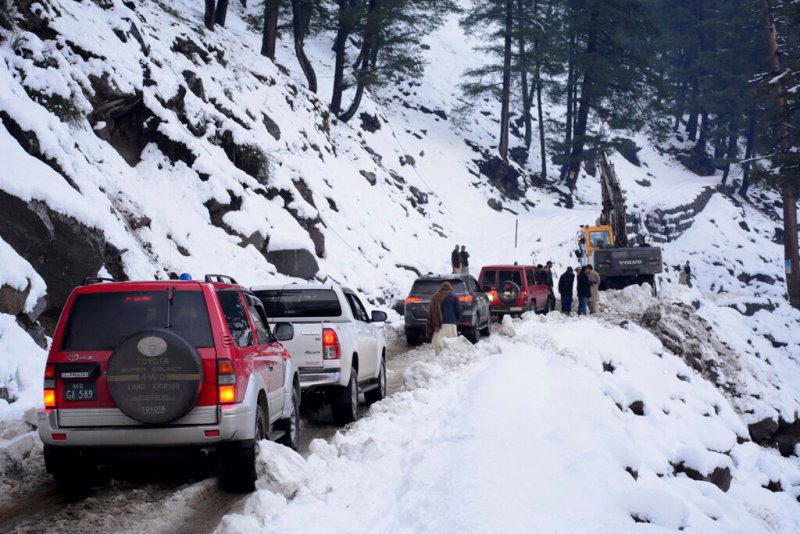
[270, 34]
[343, 30]
[732, 150]
[364, 55]
[208, 18]
[570, 106]
[506, 96]
[305, 64]
[702, 139]
[523, 73]
[540, 113]
[787, 174]
[691, 125]
[222, 12]
[748, 154]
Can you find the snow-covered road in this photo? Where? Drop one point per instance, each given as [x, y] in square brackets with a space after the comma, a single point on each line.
[555, 425]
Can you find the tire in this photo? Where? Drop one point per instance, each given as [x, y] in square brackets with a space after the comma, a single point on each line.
[346, 412]
[471, 334]
[486, 331]
[72, 473]
[139, 386]
[379, 393]
[414, 339]
[238, 462]
[291, 438]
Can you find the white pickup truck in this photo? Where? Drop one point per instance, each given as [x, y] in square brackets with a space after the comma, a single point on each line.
[339, 350]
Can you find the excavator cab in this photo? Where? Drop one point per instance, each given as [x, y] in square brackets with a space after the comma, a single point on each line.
[598, 237]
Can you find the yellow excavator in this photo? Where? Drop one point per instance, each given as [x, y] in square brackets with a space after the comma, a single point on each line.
[605, 245]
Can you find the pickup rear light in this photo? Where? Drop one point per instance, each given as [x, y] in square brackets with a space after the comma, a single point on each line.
[49, 398]
[467, 299]
[50, 371]
[330, 345]
[226, 381]
[413, 300]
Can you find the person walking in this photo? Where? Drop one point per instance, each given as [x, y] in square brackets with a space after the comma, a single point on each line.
[548, 274]
[584, 291]
[594, 279]
[687, 270]
[455, 260]
[565, 284]
[464, 260]
[443, 315]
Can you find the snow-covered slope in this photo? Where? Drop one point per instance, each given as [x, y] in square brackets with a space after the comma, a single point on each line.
[551, 427]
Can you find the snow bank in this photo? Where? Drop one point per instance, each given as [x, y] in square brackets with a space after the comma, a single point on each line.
[570, 425]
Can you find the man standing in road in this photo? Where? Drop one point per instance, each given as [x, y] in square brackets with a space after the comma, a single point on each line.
[594, 280]
[455, 260]
[443, 315]
[687, 270]
[565, 284]
[584, 291]
[464, 260]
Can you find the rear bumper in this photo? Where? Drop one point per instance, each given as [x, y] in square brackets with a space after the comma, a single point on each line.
[312, 377]
[496, 310]
[415, 325]
[234, 423]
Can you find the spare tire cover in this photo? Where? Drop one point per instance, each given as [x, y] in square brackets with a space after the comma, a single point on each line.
[155, 376]
[509, 293]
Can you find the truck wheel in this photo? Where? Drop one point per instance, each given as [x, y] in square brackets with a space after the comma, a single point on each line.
[238, 463]
[374, 395]
[292, 436]
[414, 339]
[486, 331]
[471, 334]
[346, 412]
[72, 473]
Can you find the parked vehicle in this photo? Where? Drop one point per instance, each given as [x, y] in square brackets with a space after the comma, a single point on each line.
[165, 369]
[515, 289]
[475, 319]
[339, 349]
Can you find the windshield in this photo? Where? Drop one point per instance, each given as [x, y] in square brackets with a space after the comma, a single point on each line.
[300, 302]
[429, 287]
[599, 239]
[100, 321]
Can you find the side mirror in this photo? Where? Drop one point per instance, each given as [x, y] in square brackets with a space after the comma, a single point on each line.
[284, 331]
[378, 316]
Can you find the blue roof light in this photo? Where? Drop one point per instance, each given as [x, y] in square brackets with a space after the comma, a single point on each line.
[185, 276]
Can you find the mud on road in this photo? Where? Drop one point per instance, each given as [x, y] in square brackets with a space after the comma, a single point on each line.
[153, 497]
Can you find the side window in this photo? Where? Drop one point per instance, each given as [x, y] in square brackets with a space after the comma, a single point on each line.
[530, 276]
[259, 320]
[489, 278]
[357, 308]
[472, 285]
[236, 318]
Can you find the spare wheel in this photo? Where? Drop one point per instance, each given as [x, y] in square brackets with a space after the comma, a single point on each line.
[508, 293]
[155, 376]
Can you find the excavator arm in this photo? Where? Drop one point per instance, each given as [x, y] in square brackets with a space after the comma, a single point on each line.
[613, 214]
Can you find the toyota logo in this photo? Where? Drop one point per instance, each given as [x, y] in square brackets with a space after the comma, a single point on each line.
[152, 346]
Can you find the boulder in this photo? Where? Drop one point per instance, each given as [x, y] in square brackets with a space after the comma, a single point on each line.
[12, 300]
[763, 430]
[299, 263]
[721, 476]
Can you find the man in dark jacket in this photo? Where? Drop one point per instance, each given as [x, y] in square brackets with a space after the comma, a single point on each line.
[443, 316]
[584, 291]
[687, 269]
[565, 284]
[455, 260]
[464, 260]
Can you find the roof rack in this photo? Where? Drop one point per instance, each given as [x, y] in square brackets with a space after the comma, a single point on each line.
[220, 278]
[95, 280]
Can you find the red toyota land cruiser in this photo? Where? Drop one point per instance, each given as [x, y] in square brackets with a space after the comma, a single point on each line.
[161, 369]
[516, 289]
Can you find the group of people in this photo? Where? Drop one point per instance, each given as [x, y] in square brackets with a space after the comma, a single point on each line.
[588, 288]
[459, 258]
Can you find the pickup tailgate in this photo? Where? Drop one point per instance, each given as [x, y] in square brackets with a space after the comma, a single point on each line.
[306, 346]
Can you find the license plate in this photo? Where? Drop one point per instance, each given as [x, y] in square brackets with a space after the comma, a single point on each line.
[515, 309]
[80, 391]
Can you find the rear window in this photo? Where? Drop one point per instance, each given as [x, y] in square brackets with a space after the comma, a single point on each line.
[429, 287]
[488, 279]
[509, 275]
[100, 321]
[300, 302]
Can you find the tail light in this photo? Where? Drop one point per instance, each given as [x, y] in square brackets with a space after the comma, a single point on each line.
[226, 381]
[466, 299]
[413, 300]
[50, 385]
[330, 345]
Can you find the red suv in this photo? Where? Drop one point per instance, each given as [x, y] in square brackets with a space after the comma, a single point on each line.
[517, 289]
[165, 368]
